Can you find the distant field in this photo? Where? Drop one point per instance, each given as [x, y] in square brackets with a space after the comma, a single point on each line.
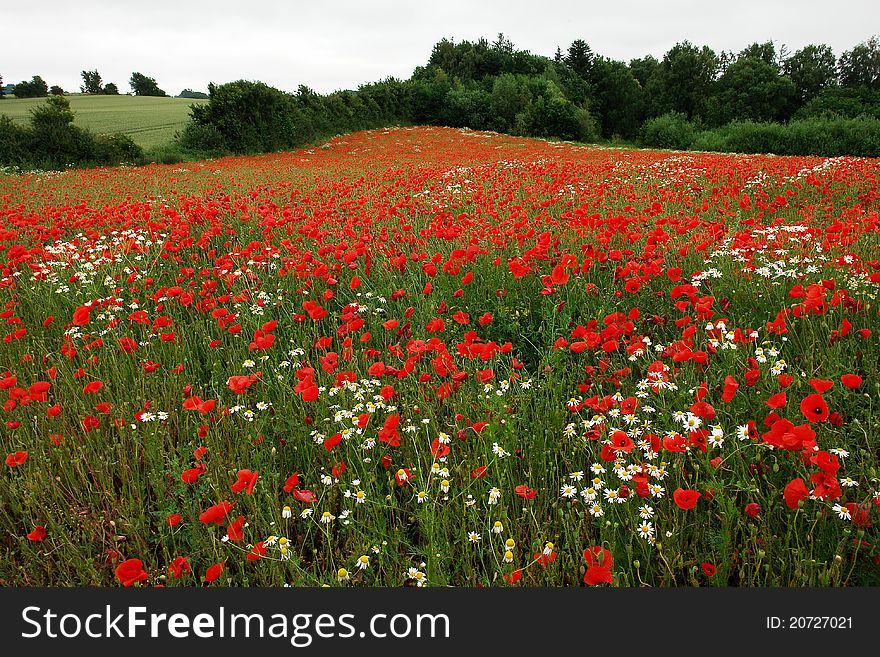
[149, 121]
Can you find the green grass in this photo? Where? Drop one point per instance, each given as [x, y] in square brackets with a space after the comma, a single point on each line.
[151, 122]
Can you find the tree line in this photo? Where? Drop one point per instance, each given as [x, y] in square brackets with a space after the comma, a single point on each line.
[141, 85]
[759, 98]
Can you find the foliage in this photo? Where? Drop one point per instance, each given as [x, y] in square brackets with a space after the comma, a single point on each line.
[860, 67]
[812, 69]
[751, 89]
[684, 79]
[189, 93]
[36, 87]
[829, 137]
[92, 83]
[847, 102]
[141, 85]
[672, 130]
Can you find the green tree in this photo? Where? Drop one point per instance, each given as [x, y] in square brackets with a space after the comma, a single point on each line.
[766, 52]
[580, 58]
[619, 98]
[142, 85]
[110, 89]
[189, 93]
[510, 96]
[685, 79]
[35, 88]
[843, 102]
[860, 67]
[643, 69]
[752, 89]
[55, 90]
[92, 83]
[53, 115]
[812, 70]
[2, 90]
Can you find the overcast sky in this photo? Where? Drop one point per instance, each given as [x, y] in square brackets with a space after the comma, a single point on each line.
[329, 45]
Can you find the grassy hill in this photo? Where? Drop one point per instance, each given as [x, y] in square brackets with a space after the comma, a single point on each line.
[151, 122]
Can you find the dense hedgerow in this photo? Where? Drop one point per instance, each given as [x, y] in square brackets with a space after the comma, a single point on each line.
[252, 117]
[828, 136]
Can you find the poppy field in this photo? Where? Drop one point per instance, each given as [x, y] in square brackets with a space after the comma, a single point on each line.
[438, 357]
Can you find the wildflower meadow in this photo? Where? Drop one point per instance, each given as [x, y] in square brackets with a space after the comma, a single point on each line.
[440, 357]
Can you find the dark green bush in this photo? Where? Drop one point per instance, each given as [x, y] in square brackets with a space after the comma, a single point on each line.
[671, 130]
[829, 137]
[14, 142]
[252, 117]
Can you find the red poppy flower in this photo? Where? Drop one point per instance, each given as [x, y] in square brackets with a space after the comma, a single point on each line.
[38, 534]
[173, 520]
[784, 435]
[686, 499]
[752, 509]
[544, 559]
[93, 386]
[246, 480]
[820, 385]
[216, 513]
[192, 475]
[234, 529]
[438, 449]
[676, 443]
[620, 442]
[81, 315]
[305, 496]
[239, 384]
[332, 441]
[479, 472]
[778, 400]
[795, 492]
[851, 381]
[513, 577]
[131, 571]
[525, 492]
[214, 571]
[128, 345]
[599, 564]
[708, 568]
[825, 486]
[16, 459]
[730, 388]
[388, 433]
[292, 482]
[814, 408]
[859, 514]
[257, 552]
[179, 567]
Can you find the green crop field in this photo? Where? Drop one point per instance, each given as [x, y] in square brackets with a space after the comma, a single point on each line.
[149, 121]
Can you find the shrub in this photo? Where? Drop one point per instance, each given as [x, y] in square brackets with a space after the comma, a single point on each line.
[828, 137]
[671, 130]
